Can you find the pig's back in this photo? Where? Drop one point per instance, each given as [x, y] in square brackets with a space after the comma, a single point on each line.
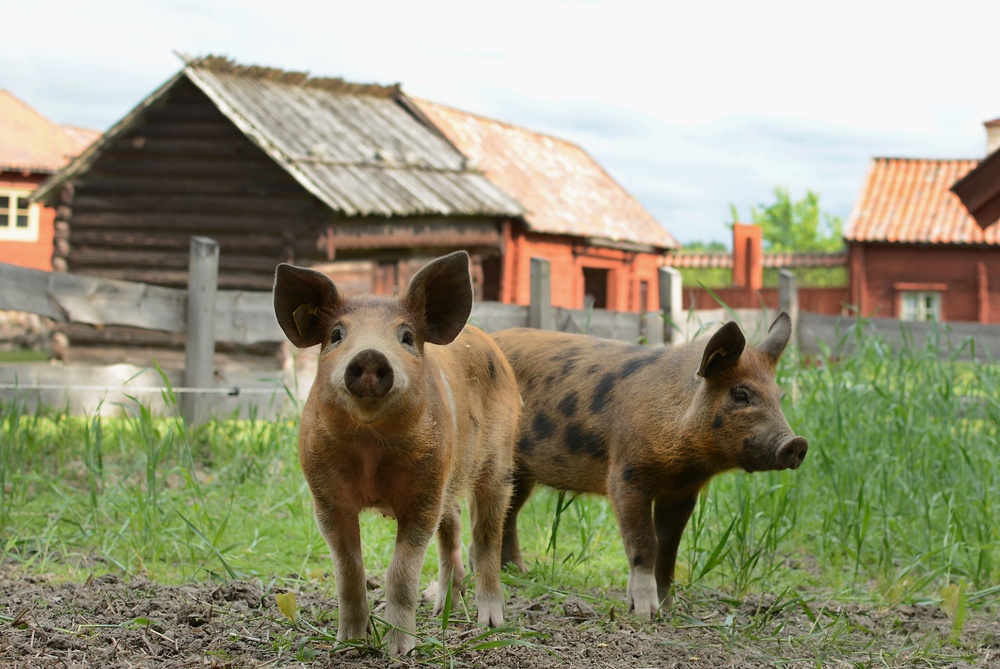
[580, 395]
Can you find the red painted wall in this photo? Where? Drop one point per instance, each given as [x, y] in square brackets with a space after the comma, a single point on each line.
[36, 254]
[568, 257]
[877, 270]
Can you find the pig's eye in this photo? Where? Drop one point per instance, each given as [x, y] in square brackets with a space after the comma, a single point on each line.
[740, 395]
[337, 335]
[406, 336]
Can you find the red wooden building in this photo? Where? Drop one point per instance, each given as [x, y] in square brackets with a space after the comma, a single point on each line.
[31, 148]
[914, 252]
[604, 247]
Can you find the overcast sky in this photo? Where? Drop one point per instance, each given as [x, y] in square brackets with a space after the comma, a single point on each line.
[691, 106]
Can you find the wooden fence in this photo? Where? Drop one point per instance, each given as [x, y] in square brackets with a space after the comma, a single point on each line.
[207, 316]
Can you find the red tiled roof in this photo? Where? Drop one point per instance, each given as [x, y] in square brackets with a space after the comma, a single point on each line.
[770, 260]
[564, 190]
[30, 142]
[907, 200]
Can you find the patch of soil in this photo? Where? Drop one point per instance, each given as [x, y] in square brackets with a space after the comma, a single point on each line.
[110, 623]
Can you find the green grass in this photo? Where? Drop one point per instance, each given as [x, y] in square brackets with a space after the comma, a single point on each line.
[896, 502]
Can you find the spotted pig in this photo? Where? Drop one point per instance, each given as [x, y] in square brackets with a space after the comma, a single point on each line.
[410, 408]
[648, 428]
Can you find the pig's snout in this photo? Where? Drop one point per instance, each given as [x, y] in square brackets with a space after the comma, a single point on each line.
[369, 375]
[792, 453]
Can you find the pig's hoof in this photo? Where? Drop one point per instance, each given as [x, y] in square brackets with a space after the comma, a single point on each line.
[399, 642]
[490, 611]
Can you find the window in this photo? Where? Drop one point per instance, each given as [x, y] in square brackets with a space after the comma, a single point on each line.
[595, 288]
[18, 217]
[920, 305]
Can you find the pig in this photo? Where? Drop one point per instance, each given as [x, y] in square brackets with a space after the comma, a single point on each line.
[409, 410]
[648, 428]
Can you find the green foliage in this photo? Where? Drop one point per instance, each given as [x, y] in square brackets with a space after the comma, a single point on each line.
[896, 501]
[799, 227]
[796, 227]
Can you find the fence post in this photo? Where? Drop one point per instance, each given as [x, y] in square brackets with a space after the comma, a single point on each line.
[199, 349]
[671, 304]
[788, 300]
[541, 315]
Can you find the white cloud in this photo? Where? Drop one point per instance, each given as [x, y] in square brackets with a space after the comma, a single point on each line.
[691, 106]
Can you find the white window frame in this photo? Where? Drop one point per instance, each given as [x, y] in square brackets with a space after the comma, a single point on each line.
[9, 232]
[920, 305]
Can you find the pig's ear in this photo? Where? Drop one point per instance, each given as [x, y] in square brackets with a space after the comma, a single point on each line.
[723, 350]
[441, 294]
[777, 337]
[299, 296]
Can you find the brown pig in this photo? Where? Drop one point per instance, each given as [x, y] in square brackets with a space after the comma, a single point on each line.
[410, 408]
[648, 428]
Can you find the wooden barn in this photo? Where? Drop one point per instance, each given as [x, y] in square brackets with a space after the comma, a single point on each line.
[32, 148]
[914, 252]
[276, 166]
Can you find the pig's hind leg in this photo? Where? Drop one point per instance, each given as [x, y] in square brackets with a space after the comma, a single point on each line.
[450, 558]
[511, 547]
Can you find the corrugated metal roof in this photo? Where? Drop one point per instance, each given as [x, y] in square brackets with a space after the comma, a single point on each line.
[355, 147]
[32, 143]
[907, 200]
[770, 260]
[564, 190]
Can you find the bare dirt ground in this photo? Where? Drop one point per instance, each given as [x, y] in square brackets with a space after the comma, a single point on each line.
[110, 623]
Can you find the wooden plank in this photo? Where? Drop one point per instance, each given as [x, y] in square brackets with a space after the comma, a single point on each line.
[840, 334]
[67, 297]
[199, 349]
[494, 316]
[240, 317]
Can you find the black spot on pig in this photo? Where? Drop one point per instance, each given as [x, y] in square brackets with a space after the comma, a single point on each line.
[525, 444]
[567, 405]
[638, 362]
[568, 354]
[717, 423]
[690, 476]
[491, 368]
[475, 421]
[578, 439]
[602, 393]
[542, 427]
[628, 474]
[637, 561]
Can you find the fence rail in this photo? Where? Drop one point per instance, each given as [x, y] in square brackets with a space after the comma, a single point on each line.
[243, 317]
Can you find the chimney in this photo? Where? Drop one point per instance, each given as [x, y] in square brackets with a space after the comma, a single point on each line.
[992, 135]
[748, 256]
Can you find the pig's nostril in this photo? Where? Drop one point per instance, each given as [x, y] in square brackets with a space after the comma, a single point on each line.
[793, 452]
[369, 374]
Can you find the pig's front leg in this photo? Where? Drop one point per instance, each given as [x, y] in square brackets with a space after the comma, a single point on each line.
[413, 535]
[343, 534]
[670, 517]
[635, 518]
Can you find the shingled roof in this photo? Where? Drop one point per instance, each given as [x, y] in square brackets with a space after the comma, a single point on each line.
[358, 148]
[563, 189]
[907, 200]
[29, 142]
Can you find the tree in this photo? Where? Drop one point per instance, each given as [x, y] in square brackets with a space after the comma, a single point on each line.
[796, 227]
